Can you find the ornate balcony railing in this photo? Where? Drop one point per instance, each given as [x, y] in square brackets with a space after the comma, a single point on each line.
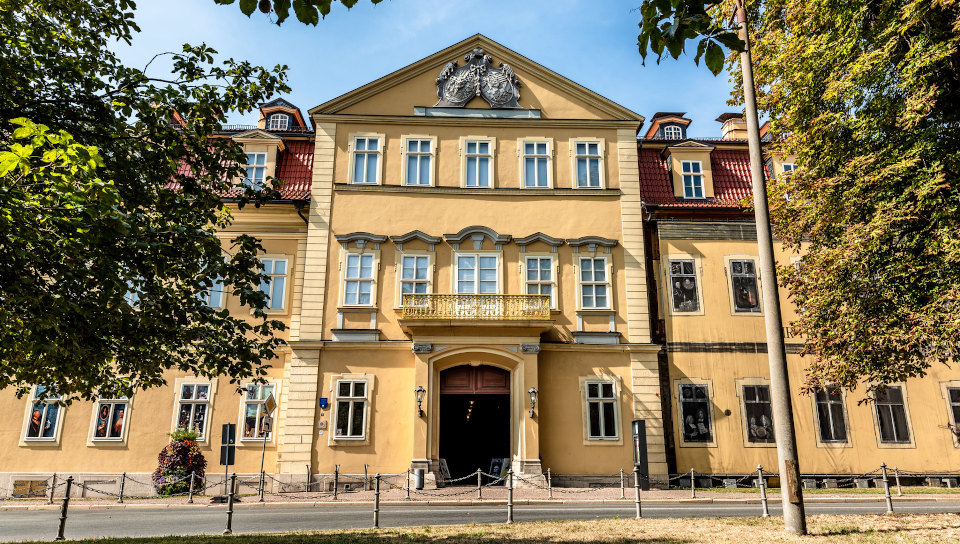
[476, 307]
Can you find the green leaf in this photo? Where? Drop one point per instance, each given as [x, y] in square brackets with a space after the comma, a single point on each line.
[731, 40]
[714, 58]
[248, 6]
[282, 9]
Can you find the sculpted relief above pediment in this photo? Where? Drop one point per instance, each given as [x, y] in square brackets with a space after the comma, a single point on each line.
[457, 85]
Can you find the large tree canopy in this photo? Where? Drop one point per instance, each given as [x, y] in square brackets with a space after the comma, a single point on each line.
[307, 11]
[103, 265]
[867, 96]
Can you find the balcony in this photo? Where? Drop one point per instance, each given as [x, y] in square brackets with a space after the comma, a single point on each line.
[462, 307]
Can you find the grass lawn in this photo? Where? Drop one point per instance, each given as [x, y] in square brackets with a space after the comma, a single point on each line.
[898, 528]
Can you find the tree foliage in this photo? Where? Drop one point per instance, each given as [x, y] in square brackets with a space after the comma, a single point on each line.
[307, 11]
[109, 214]
[867, 96]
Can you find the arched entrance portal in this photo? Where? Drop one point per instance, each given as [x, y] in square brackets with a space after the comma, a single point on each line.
[474, 418]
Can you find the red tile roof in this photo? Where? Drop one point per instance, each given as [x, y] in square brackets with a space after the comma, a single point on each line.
[731, 180]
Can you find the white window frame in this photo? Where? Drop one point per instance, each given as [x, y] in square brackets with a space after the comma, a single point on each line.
[554, 272]
[694, 176]
[275, 123]
[57, 427]
[216, 293]
[731, 295]
[945, 388]
[668, 283]
[367, 400]
[581, 283]
[476, 280]
[359, 279]
[602, 400]
[548, 155]
[785, 170]
[678, 399]
[847, 442]
[906, 414]
[406, 155]
[245, 401]
[668, 130]
[204, 433]
[574, 164]
[259, 164]
[401, 281]
[273, 276]
[111, 405]
[466, 155]
[352, 150]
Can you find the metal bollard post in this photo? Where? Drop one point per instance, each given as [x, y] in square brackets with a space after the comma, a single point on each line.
[479, 485]
[63, 510]
[622, 489]
[53, 487]
[693, 485]
[886, 488]
[376, 501]
[896, 472]
[306, 487]
[123, 483]
[408, 484]
[365, 479]
[549, 485]
[510, 495]
[336, 480]
[233, 483]
[636, 490]
[192, 476]
[763, 492]
[263, 482]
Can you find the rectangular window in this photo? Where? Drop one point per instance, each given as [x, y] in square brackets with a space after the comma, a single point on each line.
[253, 411]
[193, 404]
[256, 170]
[44, 416]
[953, 397]
[214, 296]
[601, 411]
[587, 160]
[477, 273]
[539, 278]
[788, 167]
[683, 283]
[695, 413]
[132, 296]
[111, 418]
[536, 164]
[477, 163]
[419, 155]
[414, 275]
[743, 280]
[351, 408]
[275, 288]
[830, 417]
[366, 159]
[759, 413]
[892, 416]
[672, 132]
[594, 283]
[692, 179]
[358, 280]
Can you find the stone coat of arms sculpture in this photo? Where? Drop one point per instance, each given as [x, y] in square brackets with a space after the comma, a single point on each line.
[457, 85]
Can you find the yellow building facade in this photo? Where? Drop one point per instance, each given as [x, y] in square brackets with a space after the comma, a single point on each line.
[483, 264]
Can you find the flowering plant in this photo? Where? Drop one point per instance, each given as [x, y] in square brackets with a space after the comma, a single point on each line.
[176, 461]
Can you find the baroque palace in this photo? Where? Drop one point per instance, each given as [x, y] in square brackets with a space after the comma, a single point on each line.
[522, 273]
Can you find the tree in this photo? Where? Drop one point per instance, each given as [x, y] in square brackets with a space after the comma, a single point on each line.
[110, 213]
[307, 11]
[867, 96]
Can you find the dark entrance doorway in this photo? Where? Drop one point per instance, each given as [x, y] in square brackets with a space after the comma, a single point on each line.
[474, 418]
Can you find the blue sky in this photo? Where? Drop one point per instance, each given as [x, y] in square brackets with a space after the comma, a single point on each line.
[592, 43]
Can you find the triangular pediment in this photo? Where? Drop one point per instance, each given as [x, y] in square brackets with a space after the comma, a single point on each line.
[693, 144]
[415, 85]
[256, 134]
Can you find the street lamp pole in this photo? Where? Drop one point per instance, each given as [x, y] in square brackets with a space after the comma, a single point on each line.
[790, 493]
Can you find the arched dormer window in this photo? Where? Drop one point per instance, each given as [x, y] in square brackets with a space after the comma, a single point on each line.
[279, 121]
[672, 132]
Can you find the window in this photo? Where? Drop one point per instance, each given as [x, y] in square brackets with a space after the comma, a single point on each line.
[953, 399]
[759, 413]
[477, 163]
[539, 278]
[366, 159]
[256, 170]
[601, 411]
[279, 121]
[132, 296]
[692, 179]
[593, 283]
[414, 275]
[214, 296]
[683, 281]
[536, 164]
[351, 409]
[830, 417]
[44, 416]
[111, 419]
[788, 167]
[358, 280]
[892, 416]
[743, 280]
[254, 412]
[418, 162]
[695, 413]
[672, 132]
[477, 273]
[193, 405]
[276, 271]
[587, 160]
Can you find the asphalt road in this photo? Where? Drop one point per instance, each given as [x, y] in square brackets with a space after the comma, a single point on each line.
[42, 524]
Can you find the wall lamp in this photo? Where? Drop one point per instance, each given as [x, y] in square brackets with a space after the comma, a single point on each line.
[533, 399]
[419, 392]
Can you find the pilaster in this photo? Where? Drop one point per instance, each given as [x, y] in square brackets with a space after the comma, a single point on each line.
[631, 217]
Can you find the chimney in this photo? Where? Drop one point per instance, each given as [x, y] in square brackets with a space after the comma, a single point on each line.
[733, 127]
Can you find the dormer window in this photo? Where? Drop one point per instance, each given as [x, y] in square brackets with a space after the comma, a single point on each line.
[788, 168]
[672, 132]
[692, 179]
[256, 170]
[279, 121]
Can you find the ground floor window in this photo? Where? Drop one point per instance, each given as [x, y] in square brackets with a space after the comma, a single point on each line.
[44, 415]
[601, 410]
[351, 409]
[892, 416]
[695, 413]
[830, 417]
[254, 412]
[111, 419]
[759, 413]
[194, 402]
